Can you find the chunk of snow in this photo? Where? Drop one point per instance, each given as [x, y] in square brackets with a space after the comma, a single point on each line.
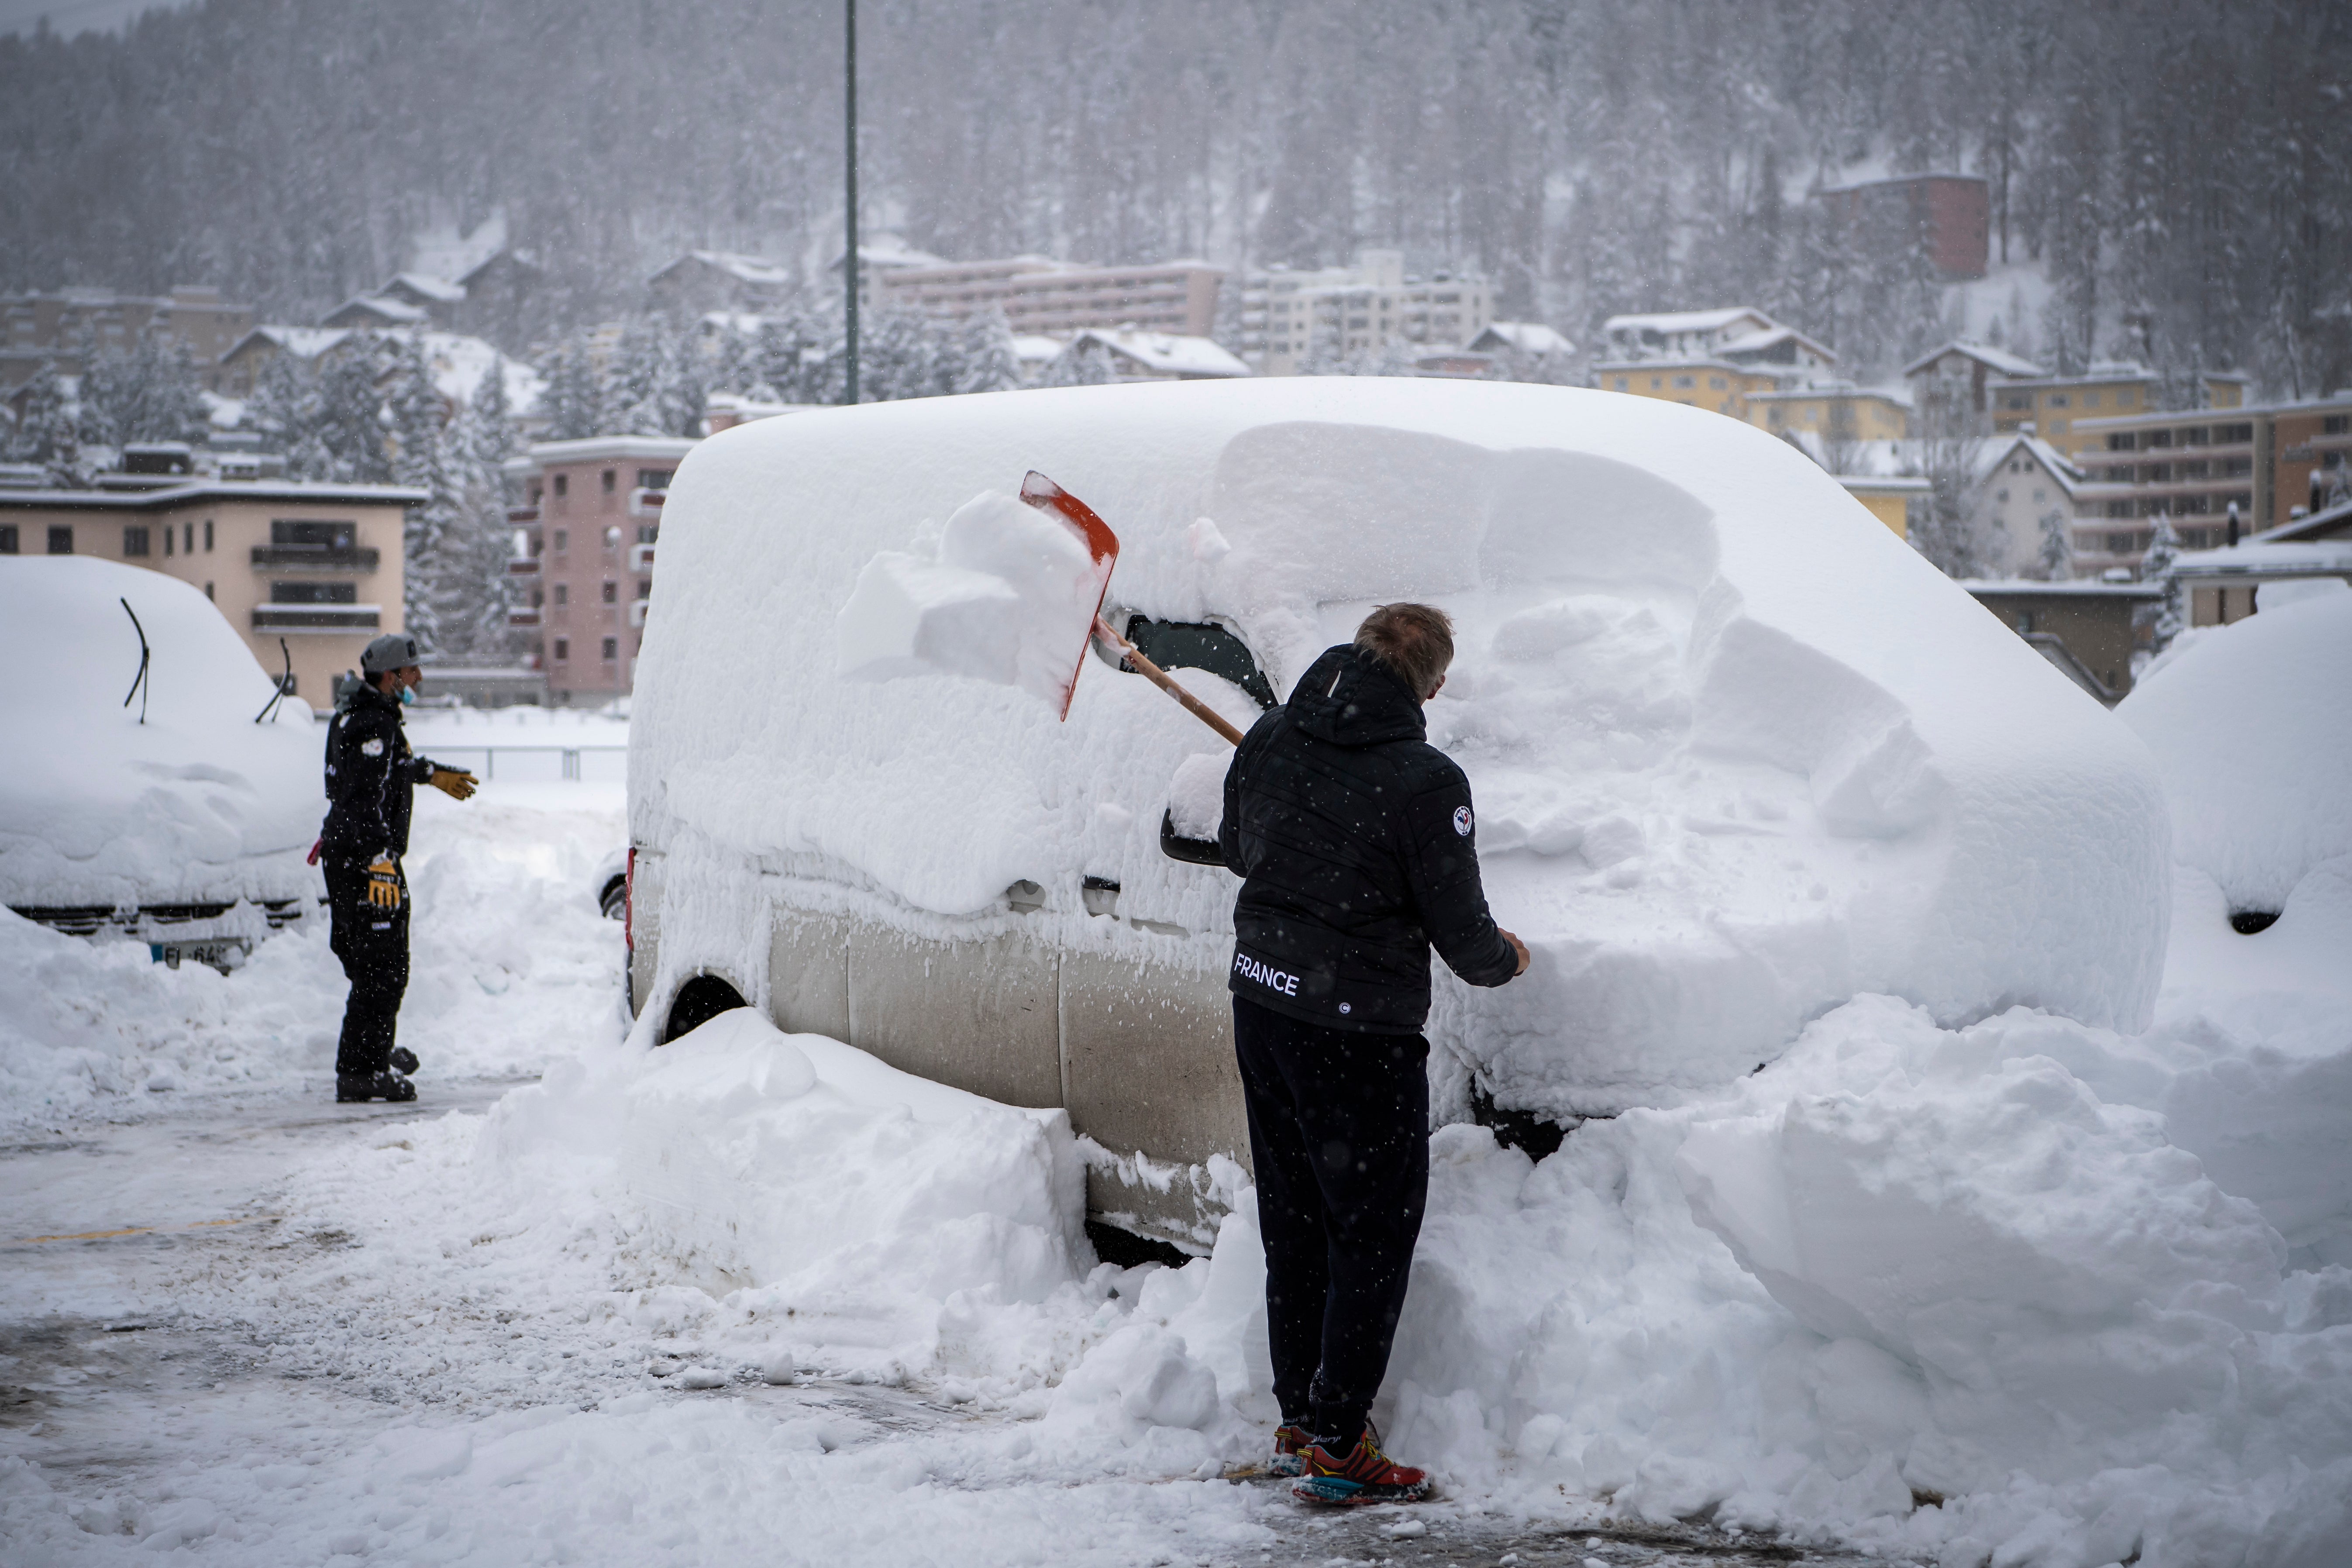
[1008, 595]
[2252, 736]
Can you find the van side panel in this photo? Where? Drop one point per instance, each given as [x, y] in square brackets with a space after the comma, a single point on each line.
[808, 976]
[977, 1015]
[1149, 1051]
[644, 926]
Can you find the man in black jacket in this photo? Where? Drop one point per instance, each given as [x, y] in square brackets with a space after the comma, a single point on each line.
[370, 777]
[1355, 838]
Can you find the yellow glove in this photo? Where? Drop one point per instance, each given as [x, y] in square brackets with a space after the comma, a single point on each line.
[456, 782]
[383, 884]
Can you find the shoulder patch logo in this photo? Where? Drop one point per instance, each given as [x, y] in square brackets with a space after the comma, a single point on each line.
[375, 749]
[1462, 821]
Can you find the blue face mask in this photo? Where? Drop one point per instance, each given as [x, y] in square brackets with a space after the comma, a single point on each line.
[407, 696]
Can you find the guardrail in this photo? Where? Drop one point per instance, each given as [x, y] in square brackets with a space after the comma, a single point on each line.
[489, 754]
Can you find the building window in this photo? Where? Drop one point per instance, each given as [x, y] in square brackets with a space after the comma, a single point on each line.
[2230, 435]
[2158, 438]
[1621, 384]
[611, 476]
[1772, 415]
[562, 486]
[285, 534]
[314, 593]
[2017, 405]
[61, 539]
[2057, 400]
[562, 649]
[2002, 495]
[644, 587]
[7, 539]
[2158, 473]
[563, 540]
[648, 533]
[1656, 382]
[1715, 382]
[134, 539]
[2122, 441]
[563, 593]
[1682, 381]
[2329, 425]
[167, 538]
[612, 592]
[2117, 509]
[208, 589]
[612, 649]
[208, 536]
[2126, 397]
[2090, 400]
[654, 478]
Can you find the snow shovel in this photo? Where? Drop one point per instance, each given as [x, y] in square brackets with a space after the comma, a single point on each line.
[1103, 545]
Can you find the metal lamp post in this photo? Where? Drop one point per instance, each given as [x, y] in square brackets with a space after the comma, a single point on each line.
[849, 255]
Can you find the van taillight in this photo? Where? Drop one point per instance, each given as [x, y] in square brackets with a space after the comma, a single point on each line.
[629, 904]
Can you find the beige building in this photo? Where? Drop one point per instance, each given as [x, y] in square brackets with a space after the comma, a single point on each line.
[590, 520]
[1055, 299]
[320, 566]
[35, 329]
[1290, 320]
[1717, 385]
[1836, 411]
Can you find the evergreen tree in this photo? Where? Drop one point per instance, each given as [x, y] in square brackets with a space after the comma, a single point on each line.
[574, 396]
[45, 432]
[987, 362]
[1084, 362]
[2169, 616]
[2057, 557]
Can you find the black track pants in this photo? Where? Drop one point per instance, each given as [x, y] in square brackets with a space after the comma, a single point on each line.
[373, 946]
[1339, 1132]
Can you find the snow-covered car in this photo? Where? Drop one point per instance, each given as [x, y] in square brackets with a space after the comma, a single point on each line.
[1738, 752]
[182, 817]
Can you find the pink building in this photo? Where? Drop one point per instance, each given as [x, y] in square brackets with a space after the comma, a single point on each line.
[590, 518]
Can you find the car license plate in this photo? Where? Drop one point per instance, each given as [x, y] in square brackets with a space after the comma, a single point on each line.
[223, 953]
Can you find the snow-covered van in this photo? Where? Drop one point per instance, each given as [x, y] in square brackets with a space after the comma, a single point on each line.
[180, 817]
[1740, 752]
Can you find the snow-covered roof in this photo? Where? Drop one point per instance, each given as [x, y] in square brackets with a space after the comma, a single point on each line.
[1991, 358]
[183, 492]
[302, 343]
[2064, 589]
[458, 362]
[2101, 370]
[1167, 354]
[1672, 321]
[432, 288]
[753, 270]
[2253, 558]
[2326, 522]
[396, 312]
[1773, 337]
[444, 252]
[1830, 389]
[890, 250]
[1526, 337]
[1990, 456]
[1881, 459]
[1029, 348]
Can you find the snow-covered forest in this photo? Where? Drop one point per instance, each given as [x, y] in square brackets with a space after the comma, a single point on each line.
[2171, 169]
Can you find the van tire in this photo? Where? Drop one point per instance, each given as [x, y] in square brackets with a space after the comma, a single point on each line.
[698, 1001]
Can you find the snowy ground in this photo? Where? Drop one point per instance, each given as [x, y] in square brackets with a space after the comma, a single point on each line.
[511, 1324]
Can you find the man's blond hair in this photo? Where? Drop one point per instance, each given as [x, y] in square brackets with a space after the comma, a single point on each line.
[1413, 642]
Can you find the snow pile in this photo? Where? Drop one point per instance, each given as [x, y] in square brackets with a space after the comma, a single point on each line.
[1006, 593]
[857, 1198]
[512, 966]
[198, 804]
[2253, 735]
[1740, 752]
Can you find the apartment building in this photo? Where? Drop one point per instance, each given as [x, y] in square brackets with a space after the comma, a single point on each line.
[320, 567]
[1041, 297]
[1836, 411]
[2054, 405]
[590, 520]
[1292, 318]
[1965, 375]
[39, 328]
[2271, 460]
[1715, 360]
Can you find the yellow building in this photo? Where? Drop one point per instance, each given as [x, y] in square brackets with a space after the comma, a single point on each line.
[1711, 384]
[321, 565]
[2051, 404]
[1835, 412]
[1887, 500]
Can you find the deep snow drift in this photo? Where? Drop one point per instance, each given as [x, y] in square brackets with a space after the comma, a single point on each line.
[197, 805]
[1738, 752]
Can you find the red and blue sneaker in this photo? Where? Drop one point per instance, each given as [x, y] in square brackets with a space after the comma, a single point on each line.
[1363, 1475]
[1289, 1450]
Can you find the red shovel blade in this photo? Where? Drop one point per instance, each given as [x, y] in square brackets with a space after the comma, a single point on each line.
[1102, 544]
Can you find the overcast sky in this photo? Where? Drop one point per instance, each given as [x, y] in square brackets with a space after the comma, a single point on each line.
[71, 16]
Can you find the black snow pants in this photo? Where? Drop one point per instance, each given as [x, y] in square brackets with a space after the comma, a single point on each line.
[1338, 1126]
[373, 946]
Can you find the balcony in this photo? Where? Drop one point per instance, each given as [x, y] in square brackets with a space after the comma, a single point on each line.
[312, 558]
[637, 611]
[327, 619]
[644, 503]
[522, 516]
[641, 559]
[526, 616]
[523, 566]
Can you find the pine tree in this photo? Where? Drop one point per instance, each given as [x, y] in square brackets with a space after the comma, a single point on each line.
[436, 559]
[988, 363]
[574, 395]
[2168, 617]
[2057, 557]
[45, 432]
[1084, 362]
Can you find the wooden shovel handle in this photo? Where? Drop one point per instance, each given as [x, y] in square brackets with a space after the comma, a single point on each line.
[1159, 677]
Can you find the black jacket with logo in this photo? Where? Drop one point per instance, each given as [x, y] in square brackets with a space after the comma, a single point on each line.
[371, 778]
[1356, 844]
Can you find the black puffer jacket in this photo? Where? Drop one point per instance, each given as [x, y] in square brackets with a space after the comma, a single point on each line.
[371, 780]
[1357, 841]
